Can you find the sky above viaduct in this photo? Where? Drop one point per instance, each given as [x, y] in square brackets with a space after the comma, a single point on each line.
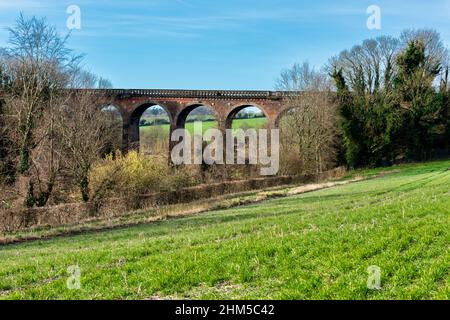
[219, 44]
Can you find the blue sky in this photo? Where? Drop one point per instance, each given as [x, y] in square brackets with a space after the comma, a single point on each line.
[219, 44]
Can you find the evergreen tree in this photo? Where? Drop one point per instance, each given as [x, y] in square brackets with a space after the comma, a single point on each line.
[422, 105]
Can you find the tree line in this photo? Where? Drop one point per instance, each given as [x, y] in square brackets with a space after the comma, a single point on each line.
[393, 99]
[381, 102]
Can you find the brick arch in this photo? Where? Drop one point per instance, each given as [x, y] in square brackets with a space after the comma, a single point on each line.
[239, 107]
[181, 117]
[141, 107]
[117, 106]
[281, 114]
[133, 121]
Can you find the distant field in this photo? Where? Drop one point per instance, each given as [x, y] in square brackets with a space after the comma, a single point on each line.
[237, 124]
[317, 245]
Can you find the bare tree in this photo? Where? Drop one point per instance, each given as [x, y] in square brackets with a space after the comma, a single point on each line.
[302, 77]
[82, 79]
[370, 66]
[39, 67]
[103, 83]
[38, 63]
[308, 127]
[6, 148]
[84, 131]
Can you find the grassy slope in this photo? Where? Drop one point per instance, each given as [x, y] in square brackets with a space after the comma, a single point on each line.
[316, 245]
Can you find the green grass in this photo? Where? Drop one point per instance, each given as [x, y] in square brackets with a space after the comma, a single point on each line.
[237, 124]
[312, 246]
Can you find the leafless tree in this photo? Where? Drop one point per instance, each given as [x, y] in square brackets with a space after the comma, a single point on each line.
[302, 77]
[308, 127]
[39, 67]
[38, 62]
[82, 79]
[84, 131]
[369, 66]
[6, 157]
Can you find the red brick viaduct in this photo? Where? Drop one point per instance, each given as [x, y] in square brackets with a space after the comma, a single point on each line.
[132, 103]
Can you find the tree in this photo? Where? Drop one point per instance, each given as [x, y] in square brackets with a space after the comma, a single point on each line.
[308, 136]
[390, 103]
[302, 77]
[38, 63]
[85, 132]
[36, 68]
[82, 79]
[103, 83]
[436, 54]
[423, 107]
[7, 172]
[368, 67]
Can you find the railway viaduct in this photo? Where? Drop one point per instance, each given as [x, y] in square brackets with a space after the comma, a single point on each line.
[132, 103]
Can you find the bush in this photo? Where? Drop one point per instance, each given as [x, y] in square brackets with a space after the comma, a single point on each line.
[134, 174]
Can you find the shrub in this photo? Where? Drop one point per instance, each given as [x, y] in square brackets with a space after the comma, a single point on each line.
[134, 174]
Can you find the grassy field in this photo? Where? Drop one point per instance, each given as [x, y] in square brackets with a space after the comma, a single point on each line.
[317, 245]
[237, 124]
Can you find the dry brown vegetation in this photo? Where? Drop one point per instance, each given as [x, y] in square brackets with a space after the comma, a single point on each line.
[309, 127]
